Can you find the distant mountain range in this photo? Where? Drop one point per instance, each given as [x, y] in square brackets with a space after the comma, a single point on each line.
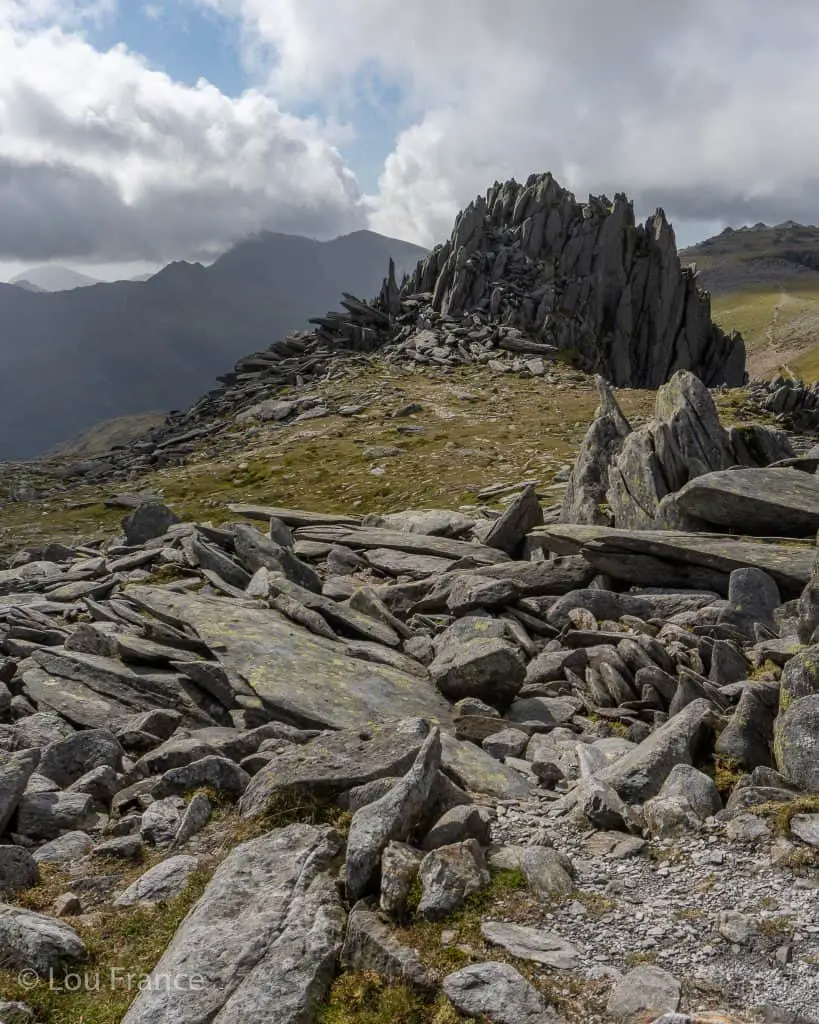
[755, 257]
[52, 278]
[70, 359]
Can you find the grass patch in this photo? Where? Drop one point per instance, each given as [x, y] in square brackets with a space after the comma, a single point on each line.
[782, 813]
[520, 428]
[775, 927]
[364, 997]
[119, 942]
[289, 807]
[646, 956]
[726, 773]
[597, 906]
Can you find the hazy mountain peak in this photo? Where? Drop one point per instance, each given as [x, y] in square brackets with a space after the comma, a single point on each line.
[54, 278]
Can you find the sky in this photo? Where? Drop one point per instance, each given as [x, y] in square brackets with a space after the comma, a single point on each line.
[134, 132]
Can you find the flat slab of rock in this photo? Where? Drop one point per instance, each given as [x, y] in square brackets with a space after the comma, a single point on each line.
[336, 762]
[294, 517]
[532, 944]
[308, 679]
[165, 880]
[416, 543]
[497, 993]
[789, 564]
[404, 563]
[265, 937]
[777, 502]
[479, 773]
[643, 992]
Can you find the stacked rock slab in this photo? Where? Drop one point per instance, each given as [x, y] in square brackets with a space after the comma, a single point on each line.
[585, 278]
[631, 478]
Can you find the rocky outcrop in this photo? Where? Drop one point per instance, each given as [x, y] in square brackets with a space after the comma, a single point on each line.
[631, 478]
[583, 278]
[263, 940]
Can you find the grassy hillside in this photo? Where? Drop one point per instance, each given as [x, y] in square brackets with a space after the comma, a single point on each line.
[780, 326]
[474, 428]
[764, 281]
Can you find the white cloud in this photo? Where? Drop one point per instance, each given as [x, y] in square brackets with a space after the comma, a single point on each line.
[704, 107]
[103, 157]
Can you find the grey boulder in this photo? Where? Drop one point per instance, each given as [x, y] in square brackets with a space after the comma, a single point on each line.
[15, 771]
[641, 773]
[643, 992]
[796, 743]
[393, 817]
[496, 992]
[265, 935]
[164, 881]
[490, 670]
[449, 876]
[69, 759]
[18, 869]
[37, 942]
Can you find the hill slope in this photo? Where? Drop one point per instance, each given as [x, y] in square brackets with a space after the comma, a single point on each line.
[71, 359]
[765, 283]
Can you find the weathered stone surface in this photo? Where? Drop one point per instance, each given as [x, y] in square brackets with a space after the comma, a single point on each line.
[585, 497]
[506, 743]
[466, 821]
[641, 773]
[449, 875]
[616, 552]
[760, 502]
[528, 943]
[548, 872]
[148, 520]
[643, 991]
[265, 935]
[522, 515]
[478, 773]
[803, 826]
[219, 773]
[161, 820]
[45, 815]
[305, 678]
[487, 669]
[414, 543]
[64, 849]
[754, 593]
[15, 771]
[37, 942]
[392, 818]
[796, 743]
[18, 869]
[164, 881]
[257, 551]
[336, 762]
[748, 737]
[496, 992]
[194, 818]
[371, 945]
[399, 869]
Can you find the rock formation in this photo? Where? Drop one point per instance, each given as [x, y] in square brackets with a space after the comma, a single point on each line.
[470, 709]
[584, 278]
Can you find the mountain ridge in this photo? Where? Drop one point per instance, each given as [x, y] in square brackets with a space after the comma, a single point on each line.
[72, 359]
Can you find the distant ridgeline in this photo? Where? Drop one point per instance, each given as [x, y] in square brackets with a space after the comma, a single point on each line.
[582, 278]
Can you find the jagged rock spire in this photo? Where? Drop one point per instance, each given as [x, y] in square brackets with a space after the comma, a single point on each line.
[583, 277]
